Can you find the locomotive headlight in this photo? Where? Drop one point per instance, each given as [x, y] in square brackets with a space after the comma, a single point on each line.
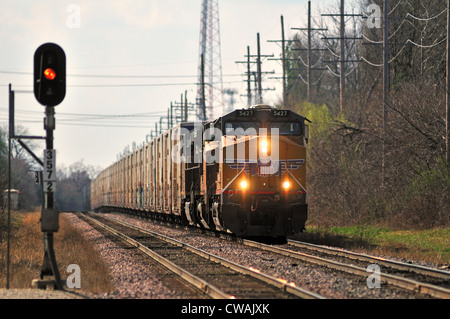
[286, 185]
[264, 146]
[244, 184]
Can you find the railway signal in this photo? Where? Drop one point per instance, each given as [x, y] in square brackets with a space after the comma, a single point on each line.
[49, 74]
[49, 89]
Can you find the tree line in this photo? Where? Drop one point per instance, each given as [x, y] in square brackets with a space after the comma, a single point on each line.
[73, 182]
[348, 183]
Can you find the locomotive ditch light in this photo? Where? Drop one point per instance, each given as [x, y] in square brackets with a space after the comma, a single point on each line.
[286, 185]
[244, 184]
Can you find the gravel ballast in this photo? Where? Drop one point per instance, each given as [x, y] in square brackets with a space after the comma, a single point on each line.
[133, 279]
[136, 277]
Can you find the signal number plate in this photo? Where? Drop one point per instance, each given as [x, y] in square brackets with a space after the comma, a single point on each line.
[49, 175]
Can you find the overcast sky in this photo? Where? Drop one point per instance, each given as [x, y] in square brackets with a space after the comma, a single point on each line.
[128, 37]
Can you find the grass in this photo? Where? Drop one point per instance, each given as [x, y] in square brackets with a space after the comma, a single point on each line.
[431, 245]
[27, 251]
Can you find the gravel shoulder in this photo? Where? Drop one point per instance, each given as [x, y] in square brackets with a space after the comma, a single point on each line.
[39, 294]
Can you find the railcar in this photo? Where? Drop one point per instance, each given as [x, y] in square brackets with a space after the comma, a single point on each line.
[243, 173]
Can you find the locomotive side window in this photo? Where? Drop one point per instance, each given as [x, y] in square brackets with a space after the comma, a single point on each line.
[286, 128]
[242, 128]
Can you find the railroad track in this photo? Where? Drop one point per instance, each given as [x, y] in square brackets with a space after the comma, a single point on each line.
[434, 283]
[214, 276]
[426, 280]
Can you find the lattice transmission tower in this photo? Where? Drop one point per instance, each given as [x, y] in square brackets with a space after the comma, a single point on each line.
[210, 87]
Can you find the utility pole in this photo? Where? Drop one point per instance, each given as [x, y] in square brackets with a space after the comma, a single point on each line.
[342, 60]
[202, 93]
[308, 77]
[385, 86]
[168, 119]
[259, 99]
[249, 78]
[185, 106]
[258, 59]
[447, 118]
[230, 92]
[283, 64]
[171, 114]
[309, 50]
[258, 74]
[283, 56]
[386, 80]
[11, 135]
[180, 110]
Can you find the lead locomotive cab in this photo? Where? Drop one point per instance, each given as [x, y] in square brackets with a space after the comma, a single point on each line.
[258, 187]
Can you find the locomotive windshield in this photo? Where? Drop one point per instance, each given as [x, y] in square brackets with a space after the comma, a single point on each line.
[286, 128]
[252, 128]
[246, 128]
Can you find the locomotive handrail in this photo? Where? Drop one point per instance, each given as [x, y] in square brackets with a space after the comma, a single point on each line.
[225, 188]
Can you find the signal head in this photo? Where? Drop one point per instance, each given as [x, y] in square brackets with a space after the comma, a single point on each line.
[49, 74]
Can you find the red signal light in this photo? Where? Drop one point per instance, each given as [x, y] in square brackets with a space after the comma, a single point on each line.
[49, 74]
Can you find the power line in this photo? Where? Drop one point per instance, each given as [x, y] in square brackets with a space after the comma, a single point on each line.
[121, 76]
[128, 85]
[85, 124]
[135, 122]
[425, 19]
[426, 46]
[101, 115]
[138, 120]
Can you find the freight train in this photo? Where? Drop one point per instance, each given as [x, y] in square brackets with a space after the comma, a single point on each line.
[243, 173]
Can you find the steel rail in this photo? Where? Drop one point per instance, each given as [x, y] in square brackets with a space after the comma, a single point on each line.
[400, 282]
[422, 270]
[281, 284]
[191, 279]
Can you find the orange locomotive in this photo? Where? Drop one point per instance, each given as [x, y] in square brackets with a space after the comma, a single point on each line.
[243, 173]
